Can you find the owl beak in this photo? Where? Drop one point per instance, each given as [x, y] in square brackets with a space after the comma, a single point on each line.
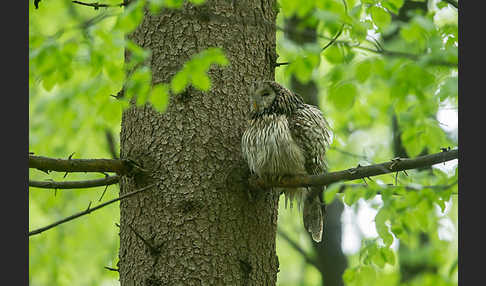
[255, 106]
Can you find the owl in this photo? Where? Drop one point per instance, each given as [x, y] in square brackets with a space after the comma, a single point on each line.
[285, 137]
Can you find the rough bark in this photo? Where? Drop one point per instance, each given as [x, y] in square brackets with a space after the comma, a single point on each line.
[199, 226]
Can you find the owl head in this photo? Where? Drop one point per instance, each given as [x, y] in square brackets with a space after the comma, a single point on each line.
[269, 97]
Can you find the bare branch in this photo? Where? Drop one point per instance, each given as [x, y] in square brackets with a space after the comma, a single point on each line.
[81, 165]
[395, 165]
[97, 5]
[110, 180]
[88, 210]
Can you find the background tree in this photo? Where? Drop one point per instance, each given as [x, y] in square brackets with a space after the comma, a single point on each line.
[76, 58]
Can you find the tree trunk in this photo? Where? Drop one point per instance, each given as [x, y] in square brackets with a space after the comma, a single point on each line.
[199, 226]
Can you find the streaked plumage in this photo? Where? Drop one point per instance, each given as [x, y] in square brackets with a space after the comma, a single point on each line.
[285, 136]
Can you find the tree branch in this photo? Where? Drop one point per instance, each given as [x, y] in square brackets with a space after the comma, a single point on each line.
[395, 165]
[109, 180]
[97, 5]
[88, 210]
[46, 164]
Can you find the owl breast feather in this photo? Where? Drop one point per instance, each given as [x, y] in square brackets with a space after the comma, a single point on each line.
[269, 148]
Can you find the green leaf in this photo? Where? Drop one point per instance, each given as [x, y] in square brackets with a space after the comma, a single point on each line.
[412, 138]
[448, 89]
[380, 17]
[201, 81]
[441, 4]
[330, 192]
[389, 255]
[194, 70]
[159, 97]
[349, 275]
[131, 17]
[381, 217]
[139, 85]
[377, 258]
[343, 95]
[351, 196]
[179, 81]
[303, 66]
[363, 70]
[369, 193]
[393, 5]
[367, 275]
[334, 54]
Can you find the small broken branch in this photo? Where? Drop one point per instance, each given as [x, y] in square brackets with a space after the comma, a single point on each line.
[88, 210]
[110, 180]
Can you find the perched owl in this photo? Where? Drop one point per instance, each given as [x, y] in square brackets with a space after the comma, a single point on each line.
[285, 136]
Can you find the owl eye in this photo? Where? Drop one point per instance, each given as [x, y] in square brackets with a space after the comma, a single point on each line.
[266, 94]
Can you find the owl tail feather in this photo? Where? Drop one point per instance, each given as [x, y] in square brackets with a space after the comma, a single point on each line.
[313, 217]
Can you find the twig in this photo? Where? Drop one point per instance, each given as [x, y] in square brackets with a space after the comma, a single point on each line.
[112, 269]
[103, 194]
[97, 5]
[88, 210]
[110, 180]
[334, 39]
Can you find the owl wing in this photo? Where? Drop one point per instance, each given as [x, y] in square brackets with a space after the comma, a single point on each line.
[311, 132]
